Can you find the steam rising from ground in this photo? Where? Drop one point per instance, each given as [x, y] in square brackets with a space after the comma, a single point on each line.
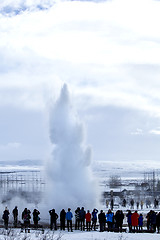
[69, 174]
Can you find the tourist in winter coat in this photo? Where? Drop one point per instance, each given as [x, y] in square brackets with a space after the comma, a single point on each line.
[102, 221]
[129, 215]
[82, 214]
[77, 219]
[88, 220]
[132, 203]
[158, 221]
[153, 220]
[109, 217]
[148, 220]
[6, 217]
[119, 216]
[36, 217]
[69, 217]
[94, 218]
[15, 216]
[53, 219]
[26, 216]
[140, 222]
[62, 219]
[134, 219]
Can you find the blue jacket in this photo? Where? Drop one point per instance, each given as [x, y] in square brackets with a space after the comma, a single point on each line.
[94, 214]
[129, 215]
[69, 215]
[109, 217]
[140, 221]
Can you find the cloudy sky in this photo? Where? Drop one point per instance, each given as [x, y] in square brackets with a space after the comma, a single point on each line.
[108, 53]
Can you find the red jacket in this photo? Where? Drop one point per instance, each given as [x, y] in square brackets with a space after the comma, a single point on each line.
[134, 219]
[88, 217]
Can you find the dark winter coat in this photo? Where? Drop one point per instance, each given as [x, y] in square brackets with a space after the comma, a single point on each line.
[153, 218]
[36, 218]
[53, 215]
[158, 219]
[102, 217]
[6, 215]
[62, 215]
[82, 214]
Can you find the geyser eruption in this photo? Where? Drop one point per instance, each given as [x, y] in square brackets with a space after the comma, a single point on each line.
[69, 174]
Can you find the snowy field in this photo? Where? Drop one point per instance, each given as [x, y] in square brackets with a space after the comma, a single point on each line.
[76, 235]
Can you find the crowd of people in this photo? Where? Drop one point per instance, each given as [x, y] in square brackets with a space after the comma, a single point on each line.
[86, 220]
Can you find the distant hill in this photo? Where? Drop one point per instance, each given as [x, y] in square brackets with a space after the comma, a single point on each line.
[26, 162]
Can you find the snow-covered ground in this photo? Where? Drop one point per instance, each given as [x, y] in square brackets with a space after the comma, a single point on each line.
[75, 235]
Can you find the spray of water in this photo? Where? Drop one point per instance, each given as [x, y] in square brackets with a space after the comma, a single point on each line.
[70, 179]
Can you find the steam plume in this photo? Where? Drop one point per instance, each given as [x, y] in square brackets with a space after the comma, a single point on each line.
[69, 174]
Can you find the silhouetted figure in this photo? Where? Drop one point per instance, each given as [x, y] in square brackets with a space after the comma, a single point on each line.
[26, 217]
[53, 219]
[112, 204]
[82, 215]
[132, 203]
[36, 217]
[153, 220]
[94, 219]
[137, 205]
[69, 217]
[155, 203]
[77, 218]
[102, 220]
[129, 215]
[88, 220]
[6, 217]
[62, 219]
[124, 202]
[119, 216]
[140, 222]
[149, 220]
[158, 221]
[15, 216]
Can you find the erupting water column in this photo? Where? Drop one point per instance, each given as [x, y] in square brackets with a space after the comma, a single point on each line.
[69, 174]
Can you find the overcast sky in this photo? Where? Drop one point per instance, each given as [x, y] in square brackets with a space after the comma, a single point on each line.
[108, 53]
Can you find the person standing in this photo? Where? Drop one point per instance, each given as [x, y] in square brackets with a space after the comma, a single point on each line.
[94, 218]
[102, 220]
[88, 220]
[129, 215]
[158, 221]
[36, 217]
[77, 219]
[53, 219]
[62, 219]
[134, 219]
[69, 217]
[140, 222]
[82, 214]
[6, 217]
[119, 216]
[26, 217]
[15, 216]
[109, 217]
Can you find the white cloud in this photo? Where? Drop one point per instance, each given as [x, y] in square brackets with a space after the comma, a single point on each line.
[10, 145]
[155, 131]
[108, 53]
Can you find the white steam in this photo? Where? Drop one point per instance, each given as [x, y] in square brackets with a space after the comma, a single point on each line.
[69, 174]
